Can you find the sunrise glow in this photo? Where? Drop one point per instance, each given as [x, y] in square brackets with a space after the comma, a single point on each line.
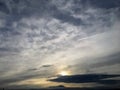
[64, 73]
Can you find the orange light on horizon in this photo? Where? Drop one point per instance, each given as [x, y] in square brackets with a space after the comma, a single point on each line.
[64, 73]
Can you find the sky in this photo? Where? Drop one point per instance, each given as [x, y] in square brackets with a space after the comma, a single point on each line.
[45, 43]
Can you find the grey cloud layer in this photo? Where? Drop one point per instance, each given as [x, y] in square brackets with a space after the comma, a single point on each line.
[44, 33]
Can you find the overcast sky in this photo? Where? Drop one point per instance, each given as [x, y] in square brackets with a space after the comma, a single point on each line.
[39, 39]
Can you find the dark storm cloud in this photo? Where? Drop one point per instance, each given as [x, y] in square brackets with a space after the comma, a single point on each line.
[88, 78]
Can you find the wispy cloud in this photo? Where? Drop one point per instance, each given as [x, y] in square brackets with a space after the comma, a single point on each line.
[42, 37]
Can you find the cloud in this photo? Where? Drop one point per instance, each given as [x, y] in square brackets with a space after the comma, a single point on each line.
[3, 7]
[88, 78]
[47, 65]
[63, 33]
[57, 87]
[66, 18]
[15, 79]
[105, 4]
[108, 60]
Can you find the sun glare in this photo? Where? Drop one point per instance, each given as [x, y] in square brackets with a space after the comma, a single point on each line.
[64, 73]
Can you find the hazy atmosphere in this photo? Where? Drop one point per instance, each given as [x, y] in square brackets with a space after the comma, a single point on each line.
[59, 43]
